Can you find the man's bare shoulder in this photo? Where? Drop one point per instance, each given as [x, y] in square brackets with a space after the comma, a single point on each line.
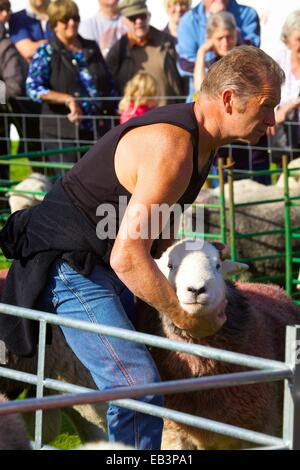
[158, 150]
[162, 139]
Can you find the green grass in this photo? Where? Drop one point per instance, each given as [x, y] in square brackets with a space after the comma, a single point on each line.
[68, 439]
[18, 172]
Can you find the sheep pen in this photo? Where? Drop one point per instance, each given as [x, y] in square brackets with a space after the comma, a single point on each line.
[242, 317]
[245, 318]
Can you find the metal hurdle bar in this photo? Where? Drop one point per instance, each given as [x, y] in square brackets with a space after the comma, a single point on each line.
[266, 370]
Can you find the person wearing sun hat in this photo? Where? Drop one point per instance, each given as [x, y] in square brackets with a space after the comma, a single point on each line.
[144, 49]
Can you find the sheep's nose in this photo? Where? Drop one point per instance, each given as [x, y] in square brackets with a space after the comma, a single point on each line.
[197, 292]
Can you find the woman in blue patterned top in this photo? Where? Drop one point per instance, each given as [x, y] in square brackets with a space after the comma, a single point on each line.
[69, 76]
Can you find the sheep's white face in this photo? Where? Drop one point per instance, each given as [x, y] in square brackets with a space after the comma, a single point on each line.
[197, 275]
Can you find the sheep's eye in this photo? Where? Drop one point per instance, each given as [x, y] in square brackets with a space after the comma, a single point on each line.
[170, 266]
[218, 266]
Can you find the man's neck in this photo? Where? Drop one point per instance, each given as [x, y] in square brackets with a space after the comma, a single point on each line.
[109, 12]
[210, 135]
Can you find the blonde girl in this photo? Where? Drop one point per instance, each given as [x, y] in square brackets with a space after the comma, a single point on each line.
[139, 96]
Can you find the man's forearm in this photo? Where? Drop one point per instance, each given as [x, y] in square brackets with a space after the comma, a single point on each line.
[144, 279]
[28, 48]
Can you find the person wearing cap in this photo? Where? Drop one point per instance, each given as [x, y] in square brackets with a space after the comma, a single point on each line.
[144, 49]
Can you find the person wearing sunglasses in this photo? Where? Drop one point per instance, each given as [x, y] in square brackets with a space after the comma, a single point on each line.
[144, 49]
[68, 76]
[105, 27]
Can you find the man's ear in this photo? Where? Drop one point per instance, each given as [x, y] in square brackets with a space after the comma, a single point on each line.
[227, 97]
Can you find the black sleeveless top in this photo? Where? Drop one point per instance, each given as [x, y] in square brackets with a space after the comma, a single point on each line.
[93, 181]
[63, 225]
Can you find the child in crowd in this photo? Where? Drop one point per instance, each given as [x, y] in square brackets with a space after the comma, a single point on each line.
[139, 96]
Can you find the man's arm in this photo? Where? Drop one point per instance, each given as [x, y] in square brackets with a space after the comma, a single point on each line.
[162, 174]
[27, 48]
[21, 37]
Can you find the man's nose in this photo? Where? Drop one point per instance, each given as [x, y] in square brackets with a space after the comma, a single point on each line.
[270, 118]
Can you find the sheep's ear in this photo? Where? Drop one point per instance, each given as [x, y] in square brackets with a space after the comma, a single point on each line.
[224, 250]
[231, 268]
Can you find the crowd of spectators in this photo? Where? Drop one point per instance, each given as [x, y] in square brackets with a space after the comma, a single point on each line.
[58, 70]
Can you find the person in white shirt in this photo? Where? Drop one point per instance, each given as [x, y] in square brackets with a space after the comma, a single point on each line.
[105, 27]
[289, 60]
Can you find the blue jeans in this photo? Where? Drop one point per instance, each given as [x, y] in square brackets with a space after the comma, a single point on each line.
[101, 299]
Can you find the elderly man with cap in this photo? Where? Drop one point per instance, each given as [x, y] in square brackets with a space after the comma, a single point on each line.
[146, 49]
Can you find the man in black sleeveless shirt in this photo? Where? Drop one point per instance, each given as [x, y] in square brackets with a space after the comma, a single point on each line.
[87, 247]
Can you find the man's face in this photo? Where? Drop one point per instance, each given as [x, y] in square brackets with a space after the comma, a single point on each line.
[251, 120]
[138, 25]
[39, 4]
[215, 6]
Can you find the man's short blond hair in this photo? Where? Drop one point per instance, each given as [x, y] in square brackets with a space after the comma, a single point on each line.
[245, 69]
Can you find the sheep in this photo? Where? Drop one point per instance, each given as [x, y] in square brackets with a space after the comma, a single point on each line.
[244, 317]
[256, 218]
[13, 435]
[35, 182]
